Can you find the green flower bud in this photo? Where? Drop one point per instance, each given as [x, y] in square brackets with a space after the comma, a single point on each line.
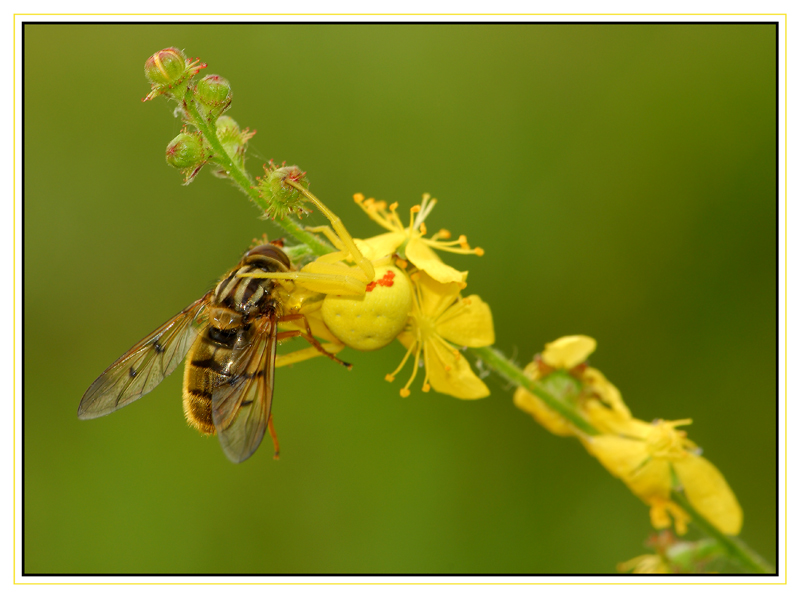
[165, 66]
[169, 72]
[234, 141]
[185, 150]
[282, 197]
[228, 130]
[214, 95]
[187, 153]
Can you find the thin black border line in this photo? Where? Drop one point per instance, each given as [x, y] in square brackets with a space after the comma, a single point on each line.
[493, 575]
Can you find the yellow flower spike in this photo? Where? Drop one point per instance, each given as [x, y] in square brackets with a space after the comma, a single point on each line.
[568, 351]
[438, 318]
[411, 240]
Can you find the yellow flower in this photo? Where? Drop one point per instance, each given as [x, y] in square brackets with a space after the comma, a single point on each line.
[599, 401]
[411, 240]
[647, 563]
[644, 456]
[441, 321]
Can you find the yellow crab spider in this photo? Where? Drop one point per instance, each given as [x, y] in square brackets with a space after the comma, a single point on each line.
[363, 308]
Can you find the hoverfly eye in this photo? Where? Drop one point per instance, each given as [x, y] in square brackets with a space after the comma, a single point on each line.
[270, 252]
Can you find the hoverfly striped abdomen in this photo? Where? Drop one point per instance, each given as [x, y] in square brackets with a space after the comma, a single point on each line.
[237, 301]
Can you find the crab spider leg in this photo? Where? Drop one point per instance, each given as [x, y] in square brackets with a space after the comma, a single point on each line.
[336, 222]
[329, 279]
[329, 234]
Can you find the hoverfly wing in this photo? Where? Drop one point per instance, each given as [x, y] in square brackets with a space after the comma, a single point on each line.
[142, 368]
[242, 402]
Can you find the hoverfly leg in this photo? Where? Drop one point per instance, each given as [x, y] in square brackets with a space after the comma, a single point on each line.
[309, 337]
[274, 436]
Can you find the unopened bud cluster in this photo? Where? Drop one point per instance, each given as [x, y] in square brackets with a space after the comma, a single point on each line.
[202, 105]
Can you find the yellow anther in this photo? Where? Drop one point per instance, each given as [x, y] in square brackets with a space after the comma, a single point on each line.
[422, 228]
[389, 378]
[479, 251]
[393, 206]
[415, 209]
[380, 205]
[404, 392]
[358, 198]
[444, 233]
[426, 387]
[415, 277]
[462, 285]
[462, 241]
[466, 301]
[402, 263]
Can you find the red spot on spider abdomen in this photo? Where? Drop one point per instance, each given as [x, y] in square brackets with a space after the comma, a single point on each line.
[386, 280]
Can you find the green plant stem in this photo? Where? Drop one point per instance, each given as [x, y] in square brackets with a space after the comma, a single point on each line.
[511, 372]
[243, 181]
[736, 548]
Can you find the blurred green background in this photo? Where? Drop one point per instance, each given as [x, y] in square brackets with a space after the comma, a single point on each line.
[621, 179]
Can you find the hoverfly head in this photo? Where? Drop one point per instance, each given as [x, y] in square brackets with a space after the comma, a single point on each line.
[268, 258]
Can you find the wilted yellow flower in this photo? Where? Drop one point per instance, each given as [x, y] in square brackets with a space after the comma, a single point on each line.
[644, 457]
[440, 322]
[647, 563]
[597, 399]
[411, 240]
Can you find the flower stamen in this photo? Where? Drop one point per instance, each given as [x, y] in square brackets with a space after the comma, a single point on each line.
[404, 392]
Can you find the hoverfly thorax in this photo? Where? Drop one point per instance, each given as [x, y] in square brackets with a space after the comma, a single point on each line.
[244, 295]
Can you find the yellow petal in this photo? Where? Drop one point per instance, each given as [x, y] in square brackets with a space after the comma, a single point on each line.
[568, 351]
[709, 493]
[605, 390]
[467, 323]
[436, 297]
[620, 456]
[448, 372]
[406, 339]
[377, 247]
[607, 421]
[423, 257]
[651, 482]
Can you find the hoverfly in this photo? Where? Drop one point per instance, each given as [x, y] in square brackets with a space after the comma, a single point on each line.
[229, 336]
